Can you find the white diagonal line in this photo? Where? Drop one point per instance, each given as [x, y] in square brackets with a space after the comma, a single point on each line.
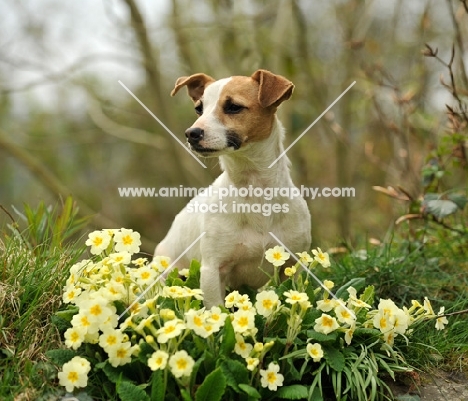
[170, 267]
[161, 123]
[311, 125]
[313, 275]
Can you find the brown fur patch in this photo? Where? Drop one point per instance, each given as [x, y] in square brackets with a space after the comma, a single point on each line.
[252, 124]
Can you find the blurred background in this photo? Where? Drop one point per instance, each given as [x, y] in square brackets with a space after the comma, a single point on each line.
[68, 127]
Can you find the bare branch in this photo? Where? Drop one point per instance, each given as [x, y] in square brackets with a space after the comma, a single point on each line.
[61, 75]
[134, 135]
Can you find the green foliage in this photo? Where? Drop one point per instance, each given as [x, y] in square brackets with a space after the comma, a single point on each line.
[213, 387]
[128, 391]
[36, 253]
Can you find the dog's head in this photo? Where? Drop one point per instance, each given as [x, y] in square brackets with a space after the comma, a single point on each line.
[233, 111]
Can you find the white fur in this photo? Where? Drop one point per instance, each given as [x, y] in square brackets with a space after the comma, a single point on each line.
[232, 250]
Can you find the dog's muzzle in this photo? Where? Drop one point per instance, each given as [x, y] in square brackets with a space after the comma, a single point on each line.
[194, 136]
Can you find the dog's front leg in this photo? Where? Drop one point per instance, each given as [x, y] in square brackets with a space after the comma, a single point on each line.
[212, 285]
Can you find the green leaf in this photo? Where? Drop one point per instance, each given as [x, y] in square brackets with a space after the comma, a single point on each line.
[316, 395]
[158, 391]
[368, 295]
[212, 388]
[128, 391]
[193, 280]
[358, 283]
[250, 391]
[185, 395]
[310, 317]
[68, 313]
[440, 208]
[459, 200]
[60, 356]
[145, 353]
[229, 338]
[61, 324]
[373, 333]
[235, 372]
[173, 278]
[334, 358]
[294, 392]
[320, 337]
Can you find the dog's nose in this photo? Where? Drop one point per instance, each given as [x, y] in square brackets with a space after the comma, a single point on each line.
[194, 135]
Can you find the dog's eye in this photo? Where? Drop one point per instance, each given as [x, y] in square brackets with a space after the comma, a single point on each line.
[199, 109]
[232, 108]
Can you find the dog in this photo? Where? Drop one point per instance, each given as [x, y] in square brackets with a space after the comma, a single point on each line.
[238, 123]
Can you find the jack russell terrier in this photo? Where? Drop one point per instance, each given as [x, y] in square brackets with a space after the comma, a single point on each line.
[237, 122]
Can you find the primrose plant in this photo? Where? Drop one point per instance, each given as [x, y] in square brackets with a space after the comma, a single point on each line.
[132, 336]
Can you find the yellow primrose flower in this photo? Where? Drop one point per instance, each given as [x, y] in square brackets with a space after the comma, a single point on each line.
[258, 347]
[216, 317]
[329, 284]
[294, 297]
[349, 334]
[389, 337]
[388, 307]
[326, 305]
[305, 258]
[267, 303]
[428, 307]
[111, 338]
[252, 363]
[158, 360]
[161, 263]
[181, 364]
[242, 348]
[243, 321]
[70, 294]
[290, 271]
[271, 377]
[167, 314]
[98, 241]
[401, 321]
[74, 373]
[344, 315]
[140, 262]
[127, 241]
[174, 291]
[171, 329]
[119, 258]
[277, 256]
[97, 309]
[382, 322]
[326, 324]
[74, 337]
[195, 320]
[315, 351]
[144, 275]
[82, 320]
[321, 257]
[120, 354]
[441, 321]
[231, 299]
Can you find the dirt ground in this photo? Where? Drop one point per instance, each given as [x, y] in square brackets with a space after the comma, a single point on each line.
[436, 386]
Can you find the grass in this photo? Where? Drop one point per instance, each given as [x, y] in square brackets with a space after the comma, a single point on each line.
[34, 264]
[404, 271]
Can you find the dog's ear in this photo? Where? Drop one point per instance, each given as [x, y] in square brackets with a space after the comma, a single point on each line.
[274, 89]
[196, 85]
